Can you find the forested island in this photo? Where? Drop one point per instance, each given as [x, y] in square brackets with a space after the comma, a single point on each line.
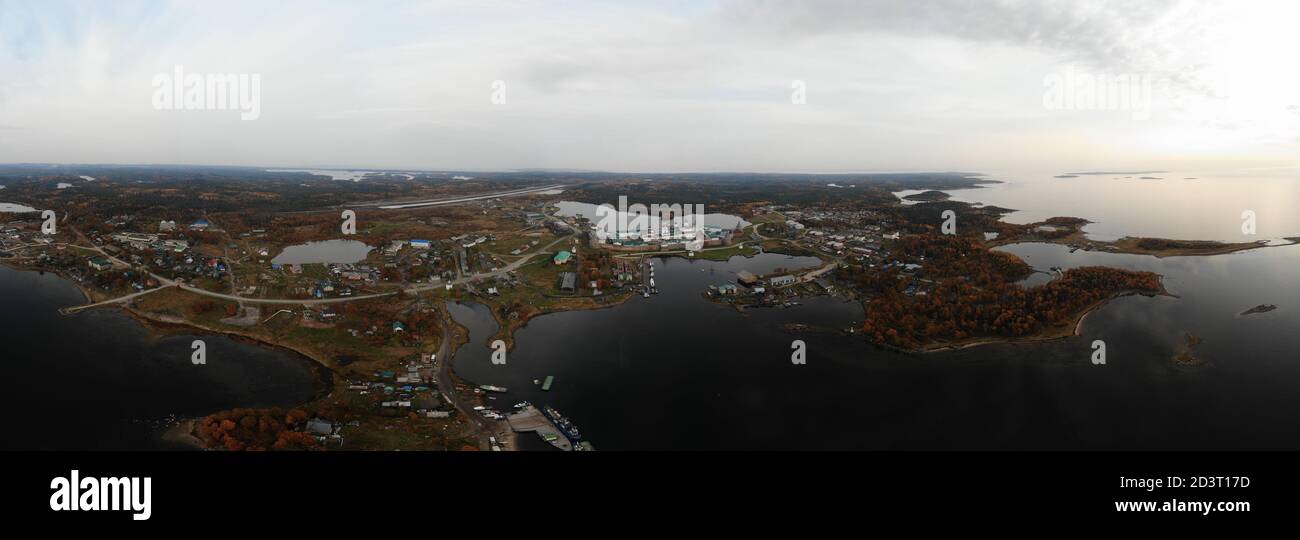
[972, 294]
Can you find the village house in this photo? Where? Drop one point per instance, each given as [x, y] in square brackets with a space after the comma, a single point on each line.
[780, 281]
[100, 263]
[568, 281]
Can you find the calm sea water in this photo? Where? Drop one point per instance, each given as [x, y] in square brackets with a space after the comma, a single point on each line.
[114, 386]
[1179, 204]
[677, 372]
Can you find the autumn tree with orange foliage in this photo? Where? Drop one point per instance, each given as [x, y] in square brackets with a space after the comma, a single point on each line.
[257, 430]
[973, 292]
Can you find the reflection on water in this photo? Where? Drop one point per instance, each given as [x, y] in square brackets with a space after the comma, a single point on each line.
[1209, 288]
[113, 386]
[677, 372]
[1037, 278]
[1208, 207]
[328, 251]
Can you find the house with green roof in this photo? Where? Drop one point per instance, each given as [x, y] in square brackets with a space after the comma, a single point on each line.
[100, 263]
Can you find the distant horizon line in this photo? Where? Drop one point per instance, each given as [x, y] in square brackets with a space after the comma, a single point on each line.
[560, 170]
[281, 168]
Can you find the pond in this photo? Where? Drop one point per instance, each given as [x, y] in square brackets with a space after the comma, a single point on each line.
[324, 252]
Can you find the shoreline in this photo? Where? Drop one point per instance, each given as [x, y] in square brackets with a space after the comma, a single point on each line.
[1056, 333]
[506, 332]
[166, 327]
[1131, 245]
[460, 336]
[323, 378]
[182, 433]
[324, 375]
[326, 381]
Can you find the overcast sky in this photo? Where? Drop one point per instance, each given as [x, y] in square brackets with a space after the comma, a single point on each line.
[657, 85]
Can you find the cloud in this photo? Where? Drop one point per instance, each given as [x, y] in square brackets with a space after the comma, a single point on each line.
[630, 85]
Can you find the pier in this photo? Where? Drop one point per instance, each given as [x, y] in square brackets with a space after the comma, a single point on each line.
[531, 419]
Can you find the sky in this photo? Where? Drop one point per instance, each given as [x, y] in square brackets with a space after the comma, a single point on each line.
[659, 86]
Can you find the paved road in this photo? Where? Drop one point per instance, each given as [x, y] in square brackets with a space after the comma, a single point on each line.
[397, 205]
[100, 251]
[447, 384]
[309, 301]
[95, 249]
[165, 282]
[495, 273]
[285, 301]
[810, 276]
[111, 301]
